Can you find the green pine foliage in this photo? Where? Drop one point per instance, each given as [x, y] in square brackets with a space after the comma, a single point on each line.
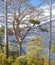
[34, 21]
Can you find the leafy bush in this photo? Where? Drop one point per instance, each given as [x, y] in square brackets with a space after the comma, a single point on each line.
[22, 60]
[35, 47]
[53, 47]
[10, 60]
[35, 61]
[4, 61]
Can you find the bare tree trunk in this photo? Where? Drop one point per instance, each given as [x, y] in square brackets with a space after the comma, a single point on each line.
[6, 34]
[50, 34]
[20, 50]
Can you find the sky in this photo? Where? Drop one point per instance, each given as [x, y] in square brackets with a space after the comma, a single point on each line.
[35, 2]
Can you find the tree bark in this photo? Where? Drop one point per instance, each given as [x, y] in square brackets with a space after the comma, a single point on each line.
[6, 34]
[20, 50]
[50, 33]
